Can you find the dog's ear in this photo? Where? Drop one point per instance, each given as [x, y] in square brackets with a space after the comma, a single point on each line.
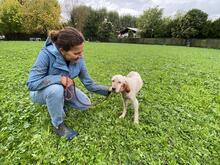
[126, 87]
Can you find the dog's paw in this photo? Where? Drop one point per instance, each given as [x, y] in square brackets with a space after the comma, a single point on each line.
[136, 122]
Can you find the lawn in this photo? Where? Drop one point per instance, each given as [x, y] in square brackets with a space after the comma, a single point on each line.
[179, 109]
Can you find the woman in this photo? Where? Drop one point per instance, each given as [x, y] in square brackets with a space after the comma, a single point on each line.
[59, 61]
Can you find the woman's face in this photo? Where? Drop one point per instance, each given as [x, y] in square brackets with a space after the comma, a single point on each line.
[73, 54]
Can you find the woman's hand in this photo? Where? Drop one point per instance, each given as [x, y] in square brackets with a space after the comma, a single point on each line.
[109, 90]
[66, 81]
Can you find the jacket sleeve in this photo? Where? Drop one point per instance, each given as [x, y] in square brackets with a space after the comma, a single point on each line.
[39, 78]
[89, 83]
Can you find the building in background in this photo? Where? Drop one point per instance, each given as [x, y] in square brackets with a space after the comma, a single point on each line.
[129, 32]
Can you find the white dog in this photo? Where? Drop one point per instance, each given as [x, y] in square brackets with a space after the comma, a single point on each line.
[128, 86]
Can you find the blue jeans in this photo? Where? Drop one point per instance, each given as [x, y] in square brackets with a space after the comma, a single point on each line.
[53, 97]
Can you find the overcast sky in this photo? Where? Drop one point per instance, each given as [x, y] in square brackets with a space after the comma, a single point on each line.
[136, 7]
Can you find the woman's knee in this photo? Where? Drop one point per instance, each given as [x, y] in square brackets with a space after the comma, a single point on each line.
[37, 97]
[81, 103]
[55, 91]
[84, 104]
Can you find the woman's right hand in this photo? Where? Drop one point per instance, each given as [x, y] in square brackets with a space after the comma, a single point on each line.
[66, 81]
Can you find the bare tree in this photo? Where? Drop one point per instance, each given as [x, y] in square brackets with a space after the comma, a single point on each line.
[67, 7]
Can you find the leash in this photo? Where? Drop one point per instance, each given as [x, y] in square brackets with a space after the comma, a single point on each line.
[74, 89]
[69, 91]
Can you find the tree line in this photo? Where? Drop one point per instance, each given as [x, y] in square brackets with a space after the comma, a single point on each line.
[28, 17]
[40, 16]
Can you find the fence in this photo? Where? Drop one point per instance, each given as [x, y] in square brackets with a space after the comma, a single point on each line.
[205, 43]
[24, 36]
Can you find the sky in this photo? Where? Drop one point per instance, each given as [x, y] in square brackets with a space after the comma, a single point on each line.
[136, 7]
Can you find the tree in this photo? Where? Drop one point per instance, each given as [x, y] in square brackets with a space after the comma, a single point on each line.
[41, 16]
[207, 30]
[22, 1]
[127, 21]
[10, 17]
[67, 7]
[130, 34]
[192, 23]
[105, 31]
[150, 22]
[79, 16]
[93, 22]
[216, 28]
[113, 17]
[176, 25]
[165, 28]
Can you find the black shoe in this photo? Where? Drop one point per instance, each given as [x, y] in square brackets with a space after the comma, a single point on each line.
[63, 130]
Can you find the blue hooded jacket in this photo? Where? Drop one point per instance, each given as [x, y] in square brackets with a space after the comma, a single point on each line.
[50, 66]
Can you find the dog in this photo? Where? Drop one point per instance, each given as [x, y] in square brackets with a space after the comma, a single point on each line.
[128, 86]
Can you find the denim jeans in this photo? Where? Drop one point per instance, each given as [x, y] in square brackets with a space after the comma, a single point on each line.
[53, 97]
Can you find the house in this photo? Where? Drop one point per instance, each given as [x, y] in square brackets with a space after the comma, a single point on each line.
[2, 37]
[125, 32]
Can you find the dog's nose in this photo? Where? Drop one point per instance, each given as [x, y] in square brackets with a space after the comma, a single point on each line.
[113, 89]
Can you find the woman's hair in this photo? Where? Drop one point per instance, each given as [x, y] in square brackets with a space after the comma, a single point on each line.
[66, 38]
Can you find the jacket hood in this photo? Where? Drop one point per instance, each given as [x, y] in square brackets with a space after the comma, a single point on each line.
[52, 49]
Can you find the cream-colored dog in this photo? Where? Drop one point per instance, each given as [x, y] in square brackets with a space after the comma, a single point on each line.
[128, 86]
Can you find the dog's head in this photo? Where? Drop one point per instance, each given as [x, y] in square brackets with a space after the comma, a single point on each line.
[119, 84]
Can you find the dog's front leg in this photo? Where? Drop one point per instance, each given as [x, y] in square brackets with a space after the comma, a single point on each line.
[136, 113]
[125, 105]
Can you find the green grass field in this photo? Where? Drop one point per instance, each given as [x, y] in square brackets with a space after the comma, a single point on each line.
[179, 109]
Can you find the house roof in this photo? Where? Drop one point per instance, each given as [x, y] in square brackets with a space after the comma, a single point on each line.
[134, 30]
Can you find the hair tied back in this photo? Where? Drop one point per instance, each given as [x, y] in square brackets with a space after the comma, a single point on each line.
[54, 35]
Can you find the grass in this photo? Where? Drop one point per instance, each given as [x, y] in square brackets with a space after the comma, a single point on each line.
[179, 109]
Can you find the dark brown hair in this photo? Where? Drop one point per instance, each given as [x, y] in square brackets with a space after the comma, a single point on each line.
[66, 38]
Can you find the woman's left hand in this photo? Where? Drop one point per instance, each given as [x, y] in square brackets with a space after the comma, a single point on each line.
[110, 88]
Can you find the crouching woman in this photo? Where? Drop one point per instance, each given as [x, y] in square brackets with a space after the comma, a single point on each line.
[60, 61]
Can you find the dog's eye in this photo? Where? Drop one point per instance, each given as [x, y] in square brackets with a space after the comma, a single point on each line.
[113, 80]
[119, 82]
